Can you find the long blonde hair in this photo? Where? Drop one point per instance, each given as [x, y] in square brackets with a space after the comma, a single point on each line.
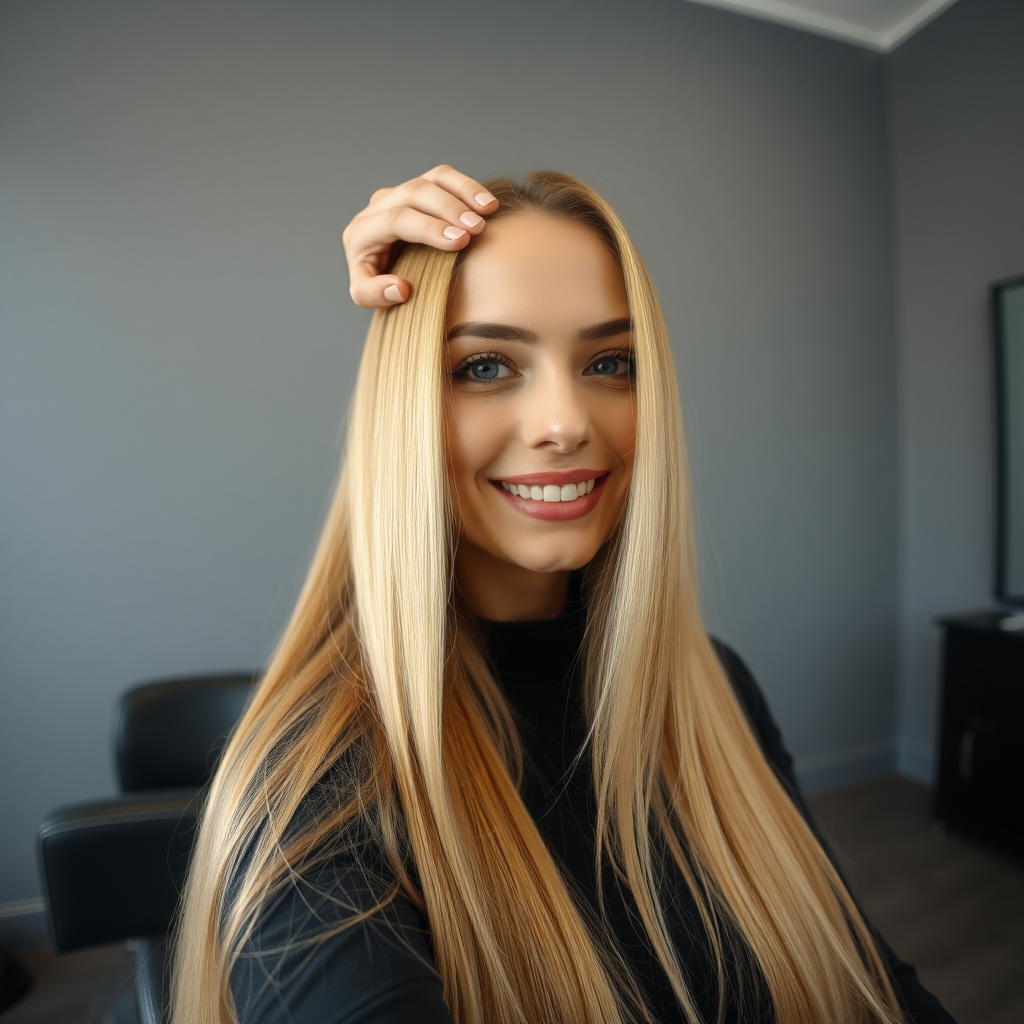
[378, 672]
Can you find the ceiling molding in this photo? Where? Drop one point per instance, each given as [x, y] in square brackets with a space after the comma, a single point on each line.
[872, 37]
[928, 10]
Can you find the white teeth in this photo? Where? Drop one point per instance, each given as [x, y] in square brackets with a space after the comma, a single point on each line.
[551, 492]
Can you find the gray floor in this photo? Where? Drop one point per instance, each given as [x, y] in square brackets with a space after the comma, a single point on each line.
[93, 987]
[951, 908]
[954, 910]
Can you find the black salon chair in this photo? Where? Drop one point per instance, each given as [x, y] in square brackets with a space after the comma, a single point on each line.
[113, 869]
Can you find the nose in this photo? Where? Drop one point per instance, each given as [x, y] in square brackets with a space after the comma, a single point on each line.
[555, 416]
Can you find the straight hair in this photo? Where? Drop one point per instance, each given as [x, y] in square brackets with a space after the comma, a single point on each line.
[380, 685]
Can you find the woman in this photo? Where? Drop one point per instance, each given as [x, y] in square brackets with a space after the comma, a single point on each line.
[496, 770]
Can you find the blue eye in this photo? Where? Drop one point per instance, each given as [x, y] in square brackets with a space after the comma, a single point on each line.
[483, 368]
[486, 371]
[619, 364]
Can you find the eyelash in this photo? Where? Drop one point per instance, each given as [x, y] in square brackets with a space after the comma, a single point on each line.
[459, 371]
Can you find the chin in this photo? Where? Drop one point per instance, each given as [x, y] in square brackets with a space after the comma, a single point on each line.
[553, 558]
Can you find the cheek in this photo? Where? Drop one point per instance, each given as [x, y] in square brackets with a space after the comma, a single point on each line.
[476, 439]
[619, 420]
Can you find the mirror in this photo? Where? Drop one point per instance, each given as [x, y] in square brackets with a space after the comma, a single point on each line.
[1008, 323]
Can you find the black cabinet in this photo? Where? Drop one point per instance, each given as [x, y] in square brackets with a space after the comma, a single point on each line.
[981, 760]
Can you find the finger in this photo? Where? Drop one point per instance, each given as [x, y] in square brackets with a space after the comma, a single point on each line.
[374, 291]
[368, 232]
[431, 199]
[468, 189]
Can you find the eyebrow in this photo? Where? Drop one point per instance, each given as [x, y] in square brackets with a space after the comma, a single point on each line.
[506, 332]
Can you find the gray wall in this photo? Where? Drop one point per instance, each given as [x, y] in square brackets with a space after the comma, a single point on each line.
[178, 346]
[957, 118]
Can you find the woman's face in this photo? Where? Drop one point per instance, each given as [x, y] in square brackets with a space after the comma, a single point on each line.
[542, 416]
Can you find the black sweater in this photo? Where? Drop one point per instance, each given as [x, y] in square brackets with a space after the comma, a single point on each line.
[381, 971]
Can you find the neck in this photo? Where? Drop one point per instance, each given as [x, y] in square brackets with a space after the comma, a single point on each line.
[496, 589]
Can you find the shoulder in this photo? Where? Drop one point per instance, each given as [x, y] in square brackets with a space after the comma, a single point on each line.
[758, 713]
[743, 683]
[337, 945]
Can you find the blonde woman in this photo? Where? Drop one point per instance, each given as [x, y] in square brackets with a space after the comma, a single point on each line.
[497, 772]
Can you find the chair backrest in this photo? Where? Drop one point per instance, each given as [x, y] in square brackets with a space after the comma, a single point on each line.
[170, 733]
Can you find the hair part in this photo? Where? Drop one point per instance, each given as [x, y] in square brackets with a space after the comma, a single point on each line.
[381, 686]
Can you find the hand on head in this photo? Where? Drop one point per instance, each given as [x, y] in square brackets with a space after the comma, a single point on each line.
[442, 208]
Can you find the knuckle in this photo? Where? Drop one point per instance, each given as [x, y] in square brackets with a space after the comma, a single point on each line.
[441, 169]
[379, 194]
[394, 214]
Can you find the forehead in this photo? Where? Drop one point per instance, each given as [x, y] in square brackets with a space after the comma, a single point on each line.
[537, 271]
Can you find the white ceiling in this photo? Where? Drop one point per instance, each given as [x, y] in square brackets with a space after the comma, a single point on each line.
[876, 24]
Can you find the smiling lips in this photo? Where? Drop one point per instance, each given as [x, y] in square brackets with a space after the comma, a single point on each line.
[554, 496]
[550, 492]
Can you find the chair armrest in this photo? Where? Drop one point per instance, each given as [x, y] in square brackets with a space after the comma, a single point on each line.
[151, 979]
[113, 869]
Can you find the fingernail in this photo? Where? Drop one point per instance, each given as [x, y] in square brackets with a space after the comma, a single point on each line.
[483, 198]
[453, 233]
[392, 294]
[471, 219]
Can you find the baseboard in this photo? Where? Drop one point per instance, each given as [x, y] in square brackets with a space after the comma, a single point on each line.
[916, 760]
[837, 768]
[23, 925]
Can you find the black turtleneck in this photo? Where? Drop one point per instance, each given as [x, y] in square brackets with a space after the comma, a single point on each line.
[381, 970]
